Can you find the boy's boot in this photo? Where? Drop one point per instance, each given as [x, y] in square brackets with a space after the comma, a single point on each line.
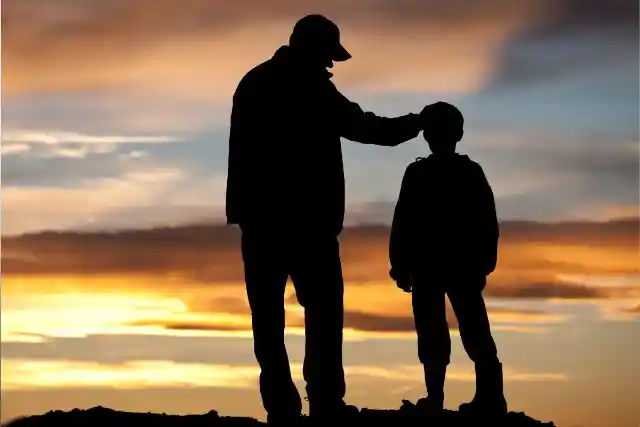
[489, 399]
[434, 402]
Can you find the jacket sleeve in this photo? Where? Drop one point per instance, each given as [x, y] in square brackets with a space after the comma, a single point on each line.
[365, 127]
[243, 120]
[489, 222]
[401, 226]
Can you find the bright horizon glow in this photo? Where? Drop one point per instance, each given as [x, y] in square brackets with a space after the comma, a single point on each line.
[28, 374]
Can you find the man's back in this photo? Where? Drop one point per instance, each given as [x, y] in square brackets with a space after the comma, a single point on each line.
[285, 155]
[285, 158]
[445, 219]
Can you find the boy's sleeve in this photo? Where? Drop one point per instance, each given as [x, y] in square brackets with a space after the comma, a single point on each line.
[489, 222]
[399, 246]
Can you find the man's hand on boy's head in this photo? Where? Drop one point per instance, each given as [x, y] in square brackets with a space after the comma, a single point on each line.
[423, 116]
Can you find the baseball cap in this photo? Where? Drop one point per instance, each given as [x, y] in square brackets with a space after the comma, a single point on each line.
[320, 33]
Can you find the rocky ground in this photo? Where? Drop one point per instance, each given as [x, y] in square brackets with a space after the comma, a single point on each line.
[405, 416]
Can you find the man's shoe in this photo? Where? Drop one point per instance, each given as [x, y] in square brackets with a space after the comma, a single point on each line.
[334, 411]
[283, 420]
[429, 406]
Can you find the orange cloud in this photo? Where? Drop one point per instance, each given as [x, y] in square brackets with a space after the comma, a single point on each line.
[189, 280]
[201, 48]
[532, 255]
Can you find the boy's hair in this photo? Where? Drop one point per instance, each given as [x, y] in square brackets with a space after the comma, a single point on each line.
[444, 122]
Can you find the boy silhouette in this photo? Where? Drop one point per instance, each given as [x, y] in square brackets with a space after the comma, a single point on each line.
[444, 240]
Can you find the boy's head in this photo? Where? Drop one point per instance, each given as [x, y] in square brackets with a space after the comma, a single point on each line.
[444, 127]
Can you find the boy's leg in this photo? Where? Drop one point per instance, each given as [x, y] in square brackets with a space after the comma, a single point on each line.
[475, 331]
[434, 341]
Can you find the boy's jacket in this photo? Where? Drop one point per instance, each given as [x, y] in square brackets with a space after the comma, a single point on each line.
[445, 221]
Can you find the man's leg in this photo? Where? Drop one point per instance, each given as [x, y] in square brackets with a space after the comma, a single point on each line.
[475, 332]
[434, 341]
[266, 272]
[317, 276]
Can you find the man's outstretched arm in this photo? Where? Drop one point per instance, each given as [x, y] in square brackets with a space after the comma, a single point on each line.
[366, 127]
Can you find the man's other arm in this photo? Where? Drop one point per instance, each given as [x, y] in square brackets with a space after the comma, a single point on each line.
[243, 123]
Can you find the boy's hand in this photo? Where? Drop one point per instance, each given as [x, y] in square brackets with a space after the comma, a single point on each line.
[402, 279]
[491, 266]
[405, 284]
[482, 282]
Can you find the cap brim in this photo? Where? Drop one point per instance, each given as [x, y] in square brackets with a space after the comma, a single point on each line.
[341, 54]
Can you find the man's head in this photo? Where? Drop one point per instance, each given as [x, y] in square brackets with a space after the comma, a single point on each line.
[317, 40]
[443, 127]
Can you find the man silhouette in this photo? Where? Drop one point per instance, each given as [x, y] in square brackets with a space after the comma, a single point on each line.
[285, 189]
[444, 240]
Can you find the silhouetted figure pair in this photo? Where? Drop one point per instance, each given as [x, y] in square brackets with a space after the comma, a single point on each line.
[286, 191]
[444, 241]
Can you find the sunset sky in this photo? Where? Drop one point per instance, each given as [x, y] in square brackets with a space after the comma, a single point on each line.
[115, 116]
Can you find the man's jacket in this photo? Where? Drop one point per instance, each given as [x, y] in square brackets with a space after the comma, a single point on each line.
[285, 156]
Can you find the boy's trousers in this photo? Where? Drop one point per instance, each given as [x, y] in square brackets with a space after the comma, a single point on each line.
[434, 341]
